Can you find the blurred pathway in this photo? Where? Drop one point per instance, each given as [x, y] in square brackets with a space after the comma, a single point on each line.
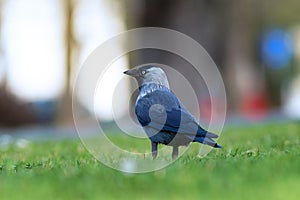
[45, 133]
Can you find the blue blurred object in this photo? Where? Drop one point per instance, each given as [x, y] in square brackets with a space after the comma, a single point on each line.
[45, 110]
[276, 48]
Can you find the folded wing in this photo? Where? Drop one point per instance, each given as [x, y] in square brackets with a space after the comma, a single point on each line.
[162, 111]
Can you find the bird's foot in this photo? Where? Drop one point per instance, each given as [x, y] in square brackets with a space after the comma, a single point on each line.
[175, 152]
[154, 149]
[154, 154]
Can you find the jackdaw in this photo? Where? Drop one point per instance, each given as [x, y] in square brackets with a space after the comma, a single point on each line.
[162, 116]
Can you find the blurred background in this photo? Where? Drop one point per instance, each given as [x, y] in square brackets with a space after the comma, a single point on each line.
[255, 44]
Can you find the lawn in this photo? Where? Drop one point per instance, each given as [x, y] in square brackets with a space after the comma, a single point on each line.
[257, 162]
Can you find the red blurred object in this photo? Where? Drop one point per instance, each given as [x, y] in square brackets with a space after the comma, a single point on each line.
[254, 106]
[205, 107]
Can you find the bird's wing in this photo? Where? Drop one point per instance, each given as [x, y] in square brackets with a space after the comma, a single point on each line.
[161, 110]
[178, 121]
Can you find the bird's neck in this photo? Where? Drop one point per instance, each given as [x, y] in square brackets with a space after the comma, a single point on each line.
[150, 87]
[159, 81]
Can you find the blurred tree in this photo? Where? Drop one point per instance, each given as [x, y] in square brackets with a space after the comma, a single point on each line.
[280, 13]
[203, 20]
[243, 75]
[14, 112]
[65, 114]
[228, 30]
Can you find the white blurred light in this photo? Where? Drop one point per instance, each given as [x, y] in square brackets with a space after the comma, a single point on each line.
[2, 68]
[5, 141]
[292, 100]
[105, 93]
[128, 166]
[292, 94]
[22, 143]
[95, 22]
[33, 44]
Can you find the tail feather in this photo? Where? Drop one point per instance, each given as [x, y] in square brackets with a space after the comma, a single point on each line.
[211, 143]
[207, 141]
[211, 135]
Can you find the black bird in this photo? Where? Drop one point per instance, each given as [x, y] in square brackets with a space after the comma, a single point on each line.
[162, 116]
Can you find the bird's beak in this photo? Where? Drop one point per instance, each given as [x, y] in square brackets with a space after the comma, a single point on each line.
[129, 72]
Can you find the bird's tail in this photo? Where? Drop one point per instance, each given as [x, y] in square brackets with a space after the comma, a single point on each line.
[211, 135]
[208, 140]
[211, 142]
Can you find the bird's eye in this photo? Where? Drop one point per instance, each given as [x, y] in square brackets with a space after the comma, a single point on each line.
[143, 72]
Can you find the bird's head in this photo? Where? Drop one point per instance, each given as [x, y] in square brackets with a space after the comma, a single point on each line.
[148, 74]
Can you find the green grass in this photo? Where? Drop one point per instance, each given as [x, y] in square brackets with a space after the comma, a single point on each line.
[261, 162]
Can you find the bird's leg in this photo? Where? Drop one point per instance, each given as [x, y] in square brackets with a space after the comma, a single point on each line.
[154, 149]
[175, 152]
